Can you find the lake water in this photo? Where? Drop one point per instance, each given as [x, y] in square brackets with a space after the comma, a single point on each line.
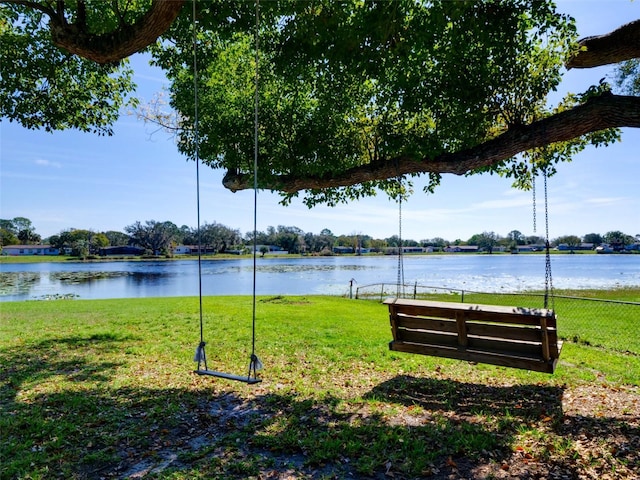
[312, 275]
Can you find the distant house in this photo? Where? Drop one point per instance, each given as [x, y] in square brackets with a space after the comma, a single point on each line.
[582, 246]
[30, 250]
[604, 248]
[412, 249]
[184, 249]
[121, 250]
[192, 250]
[461, 249]
[270, 249]
[394, 250]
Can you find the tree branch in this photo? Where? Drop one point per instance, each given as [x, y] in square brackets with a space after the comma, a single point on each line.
[617, 46]
[116, 45]
[599, 113]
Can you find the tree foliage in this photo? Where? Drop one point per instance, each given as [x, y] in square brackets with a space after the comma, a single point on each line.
[628, 77]
[18, 230]
[45, 87]
[347, 87]
[485, 240]
[352, 95]
[157, 237]
[217, 236]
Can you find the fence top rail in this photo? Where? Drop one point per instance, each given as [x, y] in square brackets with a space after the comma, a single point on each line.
[602, 300]
[524, 293]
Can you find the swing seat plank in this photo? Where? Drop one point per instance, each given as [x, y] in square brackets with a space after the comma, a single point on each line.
[229, 376]
[515, 337]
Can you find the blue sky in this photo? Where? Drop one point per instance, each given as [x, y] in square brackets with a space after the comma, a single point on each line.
[76, 180]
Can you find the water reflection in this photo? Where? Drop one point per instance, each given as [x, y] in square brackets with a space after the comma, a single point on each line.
[312, 275]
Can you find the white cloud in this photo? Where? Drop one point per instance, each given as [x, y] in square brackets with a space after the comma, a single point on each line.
[48, 163]
[606, 200]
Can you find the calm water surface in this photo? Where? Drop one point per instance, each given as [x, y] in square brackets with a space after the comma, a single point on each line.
[312, 275]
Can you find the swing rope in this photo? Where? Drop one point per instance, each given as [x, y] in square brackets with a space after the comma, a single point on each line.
[200, 356]
[200, 353]
[255, 363]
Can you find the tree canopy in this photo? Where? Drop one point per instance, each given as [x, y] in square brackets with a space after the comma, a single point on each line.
[352, 95]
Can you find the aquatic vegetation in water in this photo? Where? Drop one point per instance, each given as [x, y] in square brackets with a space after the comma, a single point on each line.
[81, 277]
[12, 283]
[57, 296]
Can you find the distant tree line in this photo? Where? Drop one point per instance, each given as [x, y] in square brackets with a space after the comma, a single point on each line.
[161, 238]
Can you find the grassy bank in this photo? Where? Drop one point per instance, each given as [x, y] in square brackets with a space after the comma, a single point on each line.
[104, 389]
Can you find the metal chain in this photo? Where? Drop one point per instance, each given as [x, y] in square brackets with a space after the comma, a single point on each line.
[533, 190]
[400, 285]
[548, 280]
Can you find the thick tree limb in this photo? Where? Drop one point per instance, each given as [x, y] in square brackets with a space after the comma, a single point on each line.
[617, 46]
[599, 113]
[116, 45]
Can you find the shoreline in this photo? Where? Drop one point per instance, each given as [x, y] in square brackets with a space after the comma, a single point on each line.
[13, 259]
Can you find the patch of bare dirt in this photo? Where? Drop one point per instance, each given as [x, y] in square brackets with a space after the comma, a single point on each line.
[598, 438]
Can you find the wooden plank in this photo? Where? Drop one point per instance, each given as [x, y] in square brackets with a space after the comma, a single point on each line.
[403, 302]
[517, 315]
[504, 347]
[514, 332]
[238, 378]
[511, 332]
[427, 338]
[545, 339]
[393, 319]
[555, 346]
[461, 318]
[494, 313]
[493, 345]
[422, 323]
[507, 332]
[525, 363]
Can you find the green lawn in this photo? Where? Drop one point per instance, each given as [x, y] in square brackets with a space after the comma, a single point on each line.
[98, 389]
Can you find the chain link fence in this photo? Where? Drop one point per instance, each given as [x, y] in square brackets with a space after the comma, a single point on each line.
[608, 324]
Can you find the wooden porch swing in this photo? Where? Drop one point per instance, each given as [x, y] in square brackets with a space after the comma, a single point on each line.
[515, 337]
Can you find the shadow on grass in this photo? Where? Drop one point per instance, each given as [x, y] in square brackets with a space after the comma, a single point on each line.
[37, 362]
[522, 401]
[405, 427]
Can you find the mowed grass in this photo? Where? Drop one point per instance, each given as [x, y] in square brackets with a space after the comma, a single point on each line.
[105, 388]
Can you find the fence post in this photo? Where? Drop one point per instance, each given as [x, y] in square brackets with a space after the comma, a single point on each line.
[381, 292]
[415, 289]
[461, 296]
